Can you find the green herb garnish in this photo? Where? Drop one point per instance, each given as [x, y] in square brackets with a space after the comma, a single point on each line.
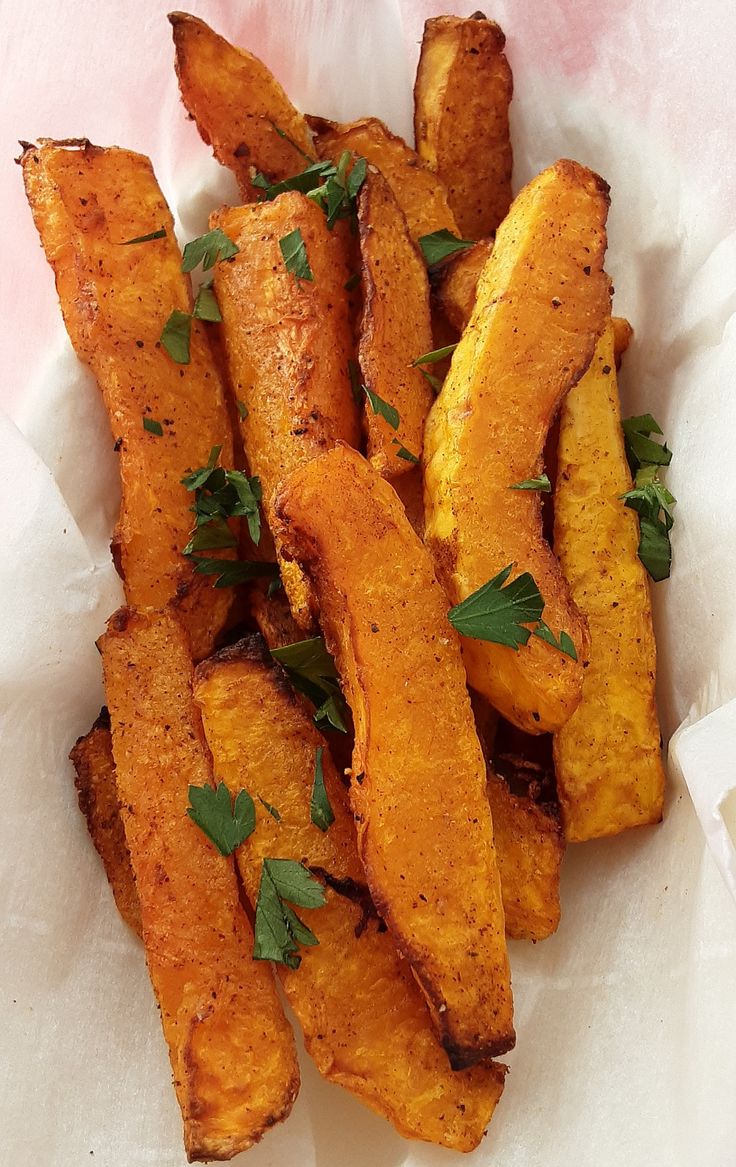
[220, 495]
[294, 252]
[311, 670]
[208, 249]
[563, 644]
[641, 450]
[278, 929]
[649, 496]
[225, 825]
[437, 354]
[231, 572]
[500, 614]
[283, 134]
[402, 452]
[176, 336]
[242, 409]
[146, 238]
[440, 244]
[206, 306]
[320, 811]
[274, 813]
[541, 483]
[153, 427]
[378, 405]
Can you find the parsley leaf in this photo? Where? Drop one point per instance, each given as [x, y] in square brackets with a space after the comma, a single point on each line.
[283, 134]
[564, 644]
[208, 249]
[337, 194]
[274, 813]
[176, 335]
[225, 825]
[541, 483]
[311, 670]
[435, 382]
[278, 929]
[206, 306]
[402, 452]
[499, 613]
[294, 252]
[219, 495]
[153, 427]
[655, 549]
[304, 182]
[378, 405]
[440, 244]
[146, 238]
[242, 409]
[641, 450]
[437, 354]
[320, 811]
[231, 572]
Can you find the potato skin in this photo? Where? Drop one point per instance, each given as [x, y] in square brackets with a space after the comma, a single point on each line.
[455, 285]
[86, 202]
[288, 343]
[98, 801]
[236, 103]
[363, 1016]
[543, 299]
[418, 793]
[461, 118]
[395, 327]
[232, 1051]
[608, 757]
[419, 192]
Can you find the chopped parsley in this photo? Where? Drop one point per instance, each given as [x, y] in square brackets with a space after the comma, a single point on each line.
[440, 244]
[500, 612]
[294, 252]
[208, 250]
[378, 405]
[436, 355]
[320, 810]
[541, 483]
[160, 234]
[176, 336]
[649, 497]
[226, 825]
[153, 427]
[278, 929]
[311, 670]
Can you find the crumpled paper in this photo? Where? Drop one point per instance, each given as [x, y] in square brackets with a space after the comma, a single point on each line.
[626, 1018]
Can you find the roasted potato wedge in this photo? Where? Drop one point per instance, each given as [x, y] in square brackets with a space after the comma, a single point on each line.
[461, 118]
[232, 1051]
[455, 284]
[608, 757]
[364, 1019]
[288, 342]
[98, 801]
[419, 192]
[418, 791]
[238, 106]
[543, 299]
[87, 202]
[395, 328]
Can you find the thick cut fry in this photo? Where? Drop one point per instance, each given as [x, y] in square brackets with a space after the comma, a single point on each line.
[364, 1019]
[461, 118]
[395, 328]
[419, 192]
[232, 1051]
[87, 202]
[543, 300]
[608, 757]
[98, 801]
[288, 343]
[418, 793]
[455, 284]
[238, 105]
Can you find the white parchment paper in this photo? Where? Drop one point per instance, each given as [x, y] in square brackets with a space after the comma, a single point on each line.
[627, 1017]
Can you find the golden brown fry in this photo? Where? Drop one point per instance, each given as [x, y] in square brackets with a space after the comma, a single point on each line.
[87, 202]
[608, 757]
[238, 105]
[543, 299]
[273, 617]
[461, 118]
[288, 343]
[623, 335]
[395, 328]
[364, 1019]
[418, 793]
[419, 192]
[455, 284]
[98, 801]
[232, 1051]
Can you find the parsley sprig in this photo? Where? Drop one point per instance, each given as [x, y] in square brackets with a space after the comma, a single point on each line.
[649, 497]
[541, 483]
[334, 187]
[320, 810]
[213, 247]
[438, 246]
[500, 612]
[226, 825]
[278, 929]
[294, 253]
[311, 670]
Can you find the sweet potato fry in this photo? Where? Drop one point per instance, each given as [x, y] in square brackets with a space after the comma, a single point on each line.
[87, 202]
[543, 299]
[455, 284]
[98, 801]
[419, 192]
[238, 105]
[608, 757]
[395, 328]
[461, 118]
[418, 793]
[232, 1051]
[364, 1019]
[288, 342]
